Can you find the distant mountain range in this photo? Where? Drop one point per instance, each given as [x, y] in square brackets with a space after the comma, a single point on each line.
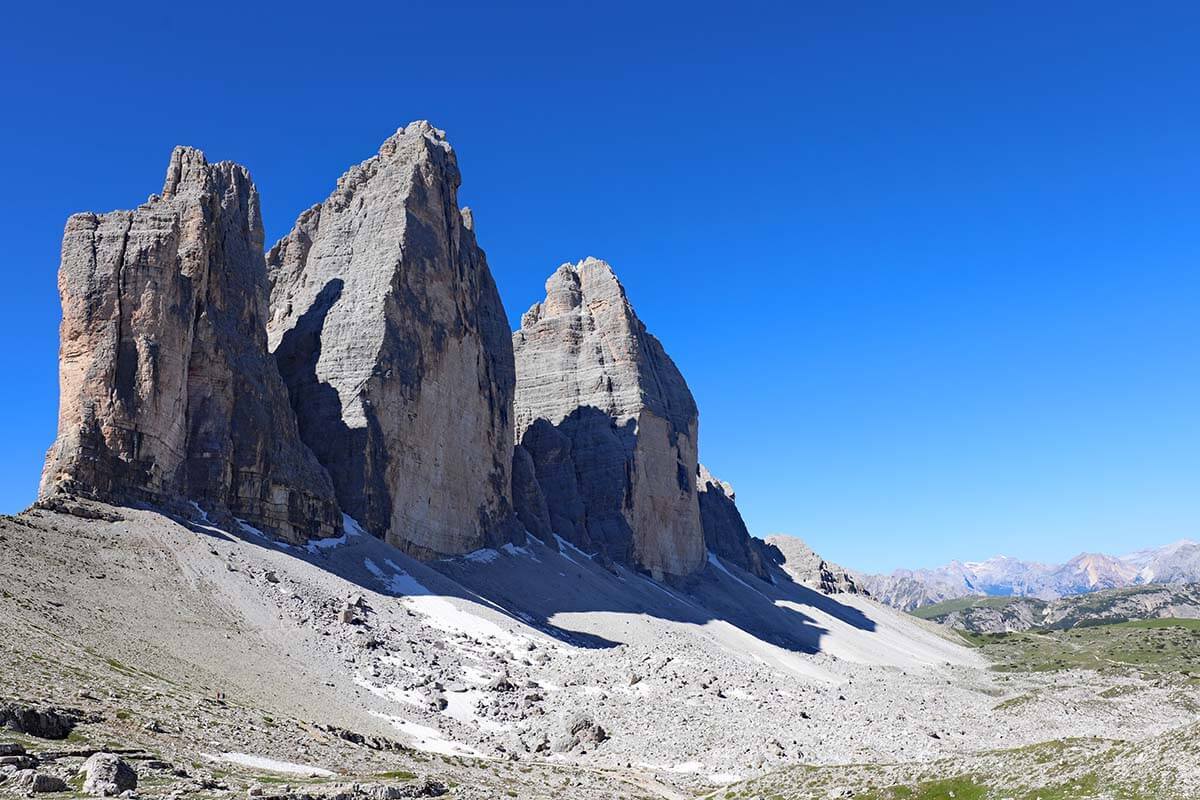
[1008, 614]
[1003, 576]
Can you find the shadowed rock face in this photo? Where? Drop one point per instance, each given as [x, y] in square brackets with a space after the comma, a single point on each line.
[389, 332]
[168, 393]
[609, 425]
[725, 532]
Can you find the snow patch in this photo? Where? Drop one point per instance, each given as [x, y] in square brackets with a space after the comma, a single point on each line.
[394, 693]
[349, 528]
[350, 525]
[439, 612]
[250, 529]
[429, 740]
[564, 546]
[513, 550]
[203, 523]
[269, 764]
[716, 562]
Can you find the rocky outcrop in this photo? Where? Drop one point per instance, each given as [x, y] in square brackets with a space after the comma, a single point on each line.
[168, 393]
[44, 723]
[804, 566]
[725, 532]
[609, 425]
[389, 332]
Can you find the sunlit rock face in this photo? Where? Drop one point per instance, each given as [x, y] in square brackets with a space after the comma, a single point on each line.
[390, 334]
[168, 393]
[609, 425]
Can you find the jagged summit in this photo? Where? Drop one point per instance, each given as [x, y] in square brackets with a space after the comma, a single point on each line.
[634, 373]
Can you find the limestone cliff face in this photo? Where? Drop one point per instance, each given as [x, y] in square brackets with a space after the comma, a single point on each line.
[168, 393]
[725, 532]
[609, 425]
[389, 332]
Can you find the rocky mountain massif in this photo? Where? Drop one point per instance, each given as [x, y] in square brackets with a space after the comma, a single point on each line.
[1010, 614]
[365, 367]
[1002, 576]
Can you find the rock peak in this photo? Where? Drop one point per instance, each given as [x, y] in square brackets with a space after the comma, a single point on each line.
[419, 130]
[598, 397]
[168, 394]
[187, 168]
[389, 332]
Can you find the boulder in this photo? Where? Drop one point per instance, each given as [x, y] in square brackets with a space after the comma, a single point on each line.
[586, 730]
[609, 425]
[29, 781]
[107, 775]
[389, 332]
[168, 393]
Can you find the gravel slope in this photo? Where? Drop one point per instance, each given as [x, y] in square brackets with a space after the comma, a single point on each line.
[522, 667]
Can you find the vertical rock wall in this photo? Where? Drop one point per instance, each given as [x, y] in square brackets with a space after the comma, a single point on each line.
[168, 394]
[390, 334]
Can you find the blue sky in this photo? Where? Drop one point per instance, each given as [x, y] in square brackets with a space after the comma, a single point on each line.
[933, 273]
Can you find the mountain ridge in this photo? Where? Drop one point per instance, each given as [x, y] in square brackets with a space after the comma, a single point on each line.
[1005, 576]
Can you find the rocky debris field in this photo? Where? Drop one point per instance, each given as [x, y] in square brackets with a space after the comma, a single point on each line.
[214, 662]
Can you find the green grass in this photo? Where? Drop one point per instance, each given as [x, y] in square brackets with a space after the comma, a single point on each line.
[1149, 647]
[962, 788]
[1061, 769]
[1154, 624]
[397, 775]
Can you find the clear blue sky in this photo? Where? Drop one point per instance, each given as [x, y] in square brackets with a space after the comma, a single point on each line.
[933, 274]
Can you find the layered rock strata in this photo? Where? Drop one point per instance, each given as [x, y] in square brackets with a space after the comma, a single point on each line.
[609, 425]
[392, 340]
[168, 393]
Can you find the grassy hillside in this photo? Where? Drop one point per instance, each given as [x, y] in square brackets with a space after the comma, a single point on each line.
[1150, 647]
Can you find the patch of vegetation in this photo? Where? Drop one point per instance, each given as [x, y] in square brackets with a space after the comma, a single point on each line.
[963, 788]
[1149, 647]
[1064, 769]
[1014, 702]
[938, 610]
[397, 775]
[1166, 622]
